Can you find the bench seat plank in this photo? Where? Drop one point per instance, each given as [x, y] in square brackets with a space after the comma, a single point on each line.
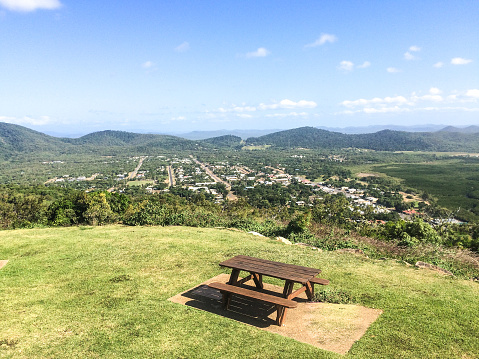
[254, 294]
[320, 281]
[282, 304]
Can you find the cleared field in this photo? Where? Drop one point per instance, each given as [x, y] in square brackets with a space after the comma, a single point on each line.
[455, 183]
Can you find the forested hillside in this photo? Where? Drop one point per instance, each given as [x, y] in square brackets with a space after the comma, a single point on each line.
[386, 140]
[18, 139]
[15, 140]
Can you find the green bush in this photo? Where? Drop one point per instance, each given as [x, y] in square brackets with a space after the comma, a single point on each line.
[335, 296]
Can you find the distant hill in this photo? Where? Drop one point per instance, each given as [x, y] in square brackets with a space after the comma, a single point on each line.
[469, 129]
[377, 128]
[19, 139]
[140, 142]
[244, 134]
[386, 140]
[15, 139]
[224, 141]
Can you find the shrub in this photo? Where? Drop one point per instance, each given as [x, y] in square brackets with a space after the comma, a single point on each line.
[335, 296]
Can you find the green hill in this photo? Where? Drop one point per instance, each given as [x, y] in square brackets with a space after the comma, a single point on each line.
[386, 140]
[102, 292]
[224, 141]
[16, 139]
[19, 139]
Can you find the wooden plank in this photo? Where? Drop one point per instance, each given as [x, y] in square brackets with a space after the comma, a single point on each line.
[258, 280]
[245, 260]
[273, 269]
[296, 292]
[320, 281]
[244, 280]
[287, 265]
[253, 294]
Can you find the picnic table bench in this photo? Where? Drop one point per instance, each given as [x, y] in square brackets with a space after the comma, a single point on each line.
[258, 268]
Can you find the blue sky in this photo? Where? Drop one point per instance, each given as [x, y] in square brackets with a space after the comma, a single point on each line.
[75, 67]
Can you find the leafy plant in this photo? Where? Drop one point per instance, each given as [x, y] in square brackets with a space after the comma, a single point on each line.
[336, 296]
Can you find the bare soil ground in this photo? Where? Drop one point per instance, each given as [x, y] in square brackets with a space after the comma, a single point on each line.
[333, 327]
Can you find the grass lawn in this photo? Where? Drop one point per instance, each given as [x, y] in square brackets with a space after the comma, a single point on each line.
[101, 292]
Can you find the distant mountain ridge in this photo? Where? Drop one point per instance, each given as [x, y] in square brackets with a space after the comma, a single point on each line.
[15, 139]
[469, 129]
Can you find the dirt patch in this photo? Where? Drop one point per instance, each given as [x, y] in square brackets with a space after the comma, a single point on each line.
[333, 327]
[2, 263]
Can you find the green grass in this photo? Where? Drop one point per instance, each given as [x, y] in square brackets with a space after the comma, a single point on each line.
[101, 292]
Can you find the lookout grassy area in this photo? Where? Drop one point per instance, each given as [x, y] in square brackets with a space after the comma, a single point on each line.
[101, 292]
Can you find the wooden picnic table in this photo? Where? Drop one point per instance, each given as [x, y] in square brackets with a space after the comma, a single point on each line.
[258, 268]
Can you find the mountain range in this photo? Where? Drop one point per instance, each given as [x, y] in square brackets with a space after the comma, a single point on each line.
[15, 140]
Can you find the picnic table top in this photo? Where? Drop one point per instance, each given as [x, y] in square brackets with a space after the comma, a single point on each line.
[289, 272]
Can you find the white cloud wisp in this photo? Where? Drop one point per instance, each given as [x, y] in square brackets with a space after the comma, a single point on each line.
[261, 52]
[413, 102]
[30, 5]
[323, 39]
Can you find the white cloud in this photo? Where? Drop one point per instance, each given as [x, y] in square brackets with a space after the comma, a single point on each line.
[346, 66]
[434, 98]
[288, 104]
[235, 108]
[435, 91]
[431, 101]
[323, 39]
[261, 52]
[244, 115]
[179, 118]
[185, 46]
[30, 5]
[392, 70]
[364, 65]
[147, 65]
[291, 114]
[349, 65]
[385, 109]
[27, 120]
[438, 65]
[460, 61]
[474, 93]
[409, 56]
[376, 101]
[283, 104]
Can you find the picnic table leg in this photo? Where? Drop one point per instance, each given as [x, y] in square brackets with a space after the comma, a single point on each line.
[226, 300]
[258, 280]
[309, 290]
[233, 281]
[288, 289]
[280, 314]
[234, 277]
[281, 311]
